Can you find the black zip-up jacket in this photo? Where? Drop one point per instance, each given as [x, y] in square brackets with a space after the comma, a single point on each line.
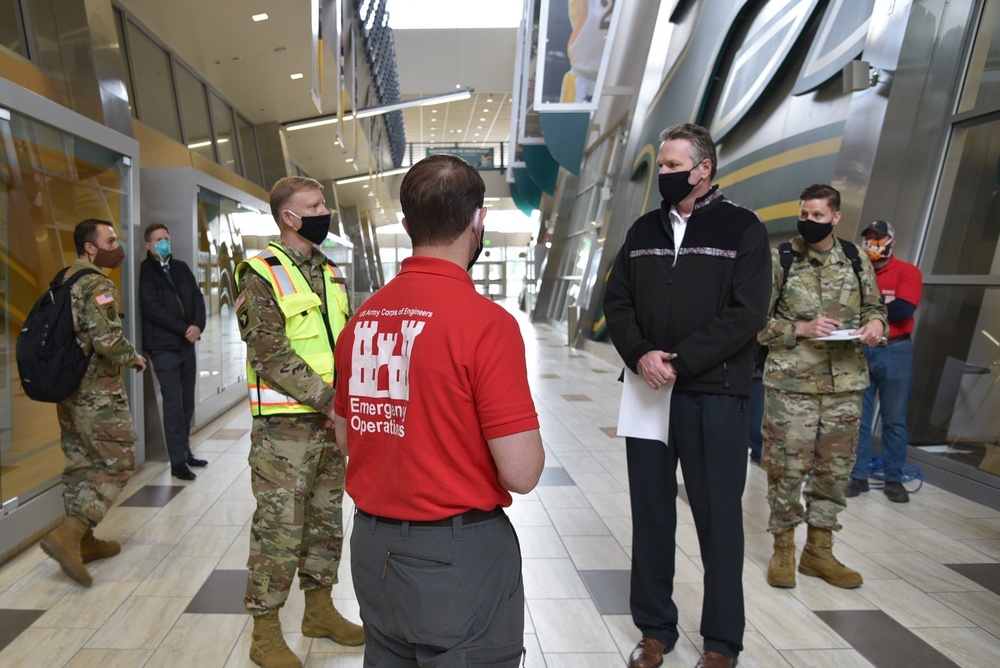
[164, 321]
[707, 306]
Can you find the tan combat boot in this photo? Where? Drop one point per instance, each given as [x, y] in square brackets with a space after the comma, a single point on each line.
[268, 648]
[818, 560]
[322, 620]
[93, 548]
[781, 570]
[63, 545]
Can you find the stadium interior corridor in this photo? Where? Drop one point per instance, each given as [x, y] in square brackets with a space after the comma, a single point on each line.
[173, 597]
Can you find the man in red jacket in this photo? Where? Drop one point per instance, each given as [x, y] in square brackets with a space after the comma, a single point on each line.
[890, 366]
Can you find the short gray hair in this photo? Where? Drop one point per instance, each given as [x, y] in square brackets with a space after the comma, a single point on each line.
[702, 145]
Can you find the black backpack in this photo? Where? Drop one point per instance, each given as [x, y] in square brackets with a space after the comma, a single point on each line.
[49, 360]
[786, 255]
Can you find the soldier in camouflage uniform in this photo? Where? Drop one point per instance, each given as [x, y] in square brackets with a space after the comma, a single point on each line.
[97, 435]
[813, 388]
[291, 308]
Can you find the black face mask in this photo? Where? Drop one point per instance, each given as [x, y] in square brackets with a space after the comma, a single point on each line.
[314, 228]
[482, 239]
[674, 186]
[814, 232]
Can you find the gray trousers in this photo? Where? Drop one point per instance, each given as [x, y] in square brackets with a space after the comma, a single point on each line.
[441, 596]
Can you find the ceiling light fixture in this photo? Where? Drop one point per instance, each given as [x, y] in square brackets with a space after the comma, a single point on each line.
[317, 121]
[202, 144]
[416, 102]
[297, 75]
[365, 177]
[259, 17]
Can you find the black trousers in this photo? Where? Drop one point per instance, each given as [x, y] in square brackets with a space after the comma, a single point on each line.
[176, 372]
[708, 435]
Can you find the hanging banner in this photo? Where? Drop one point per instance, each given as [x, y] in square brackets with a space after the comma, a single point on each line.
[574, 46]
[315, 87]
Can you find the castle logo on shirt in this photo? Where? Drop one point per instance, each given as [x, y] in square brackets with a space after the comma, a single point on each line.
[380, 376]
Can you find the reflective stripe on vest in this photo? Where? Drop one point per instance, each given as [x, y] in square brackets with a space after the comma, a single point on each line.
[305, 326]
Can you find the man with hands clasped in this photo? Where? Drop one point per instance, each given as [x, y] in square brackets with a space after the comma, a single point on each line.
[821, 309]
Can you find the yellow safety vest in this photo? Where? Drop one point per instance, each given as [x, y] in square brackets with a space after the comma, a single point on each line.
[310, 333]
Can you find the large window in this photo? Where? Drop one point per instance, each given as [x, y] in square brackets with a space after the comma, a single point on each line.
[953, 412]
[249, 151]
[49, 181]
[153, 83]
[12, 27]
[194, 113]
[221, 352]
[225, 142]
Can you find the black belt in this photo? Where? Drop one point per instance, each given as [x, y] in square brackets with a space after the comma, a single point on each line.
[469, 517]
[899, 339]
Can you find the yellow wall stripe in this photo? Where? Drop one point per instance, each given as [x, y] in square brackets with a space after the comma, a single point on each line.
[777, 211]
[790, 157]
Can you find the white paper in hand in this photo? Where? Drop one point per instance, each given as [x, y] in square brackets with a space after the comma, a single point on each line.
[644, 412]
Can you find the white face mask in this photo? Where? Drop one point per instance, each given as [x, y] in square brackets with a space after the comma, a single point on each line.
[482, 238]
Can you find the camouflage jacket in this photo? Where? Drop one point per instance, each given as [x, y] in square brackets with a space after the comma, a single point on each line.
[95, 303]
[819, 284]
[262, 327]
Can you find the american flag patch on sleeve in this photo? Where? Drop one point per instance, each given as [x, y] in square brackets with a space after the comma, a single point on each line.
[103, 299]
[239, 301]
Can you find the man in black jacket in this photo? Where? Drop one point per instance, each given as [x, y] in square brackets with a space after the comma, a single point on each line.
[173, 318]
[687, 294]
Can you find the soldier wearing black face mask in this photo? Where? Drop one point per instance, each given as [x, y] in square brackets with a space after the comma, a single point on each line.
[814, 375]
[291, 310]
[687, 294]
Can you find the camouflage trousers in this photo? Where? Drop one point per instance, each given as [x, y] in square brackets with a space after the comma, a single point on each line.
[99, 444]
[813, 435]
[297, 476]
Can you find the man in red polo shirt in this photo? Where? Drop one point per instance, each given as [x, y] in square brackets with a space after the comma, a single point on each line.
[433, 406]
[889, 366]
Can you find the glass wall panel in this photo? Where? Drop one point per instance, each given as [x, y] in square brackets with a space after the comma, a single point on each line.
[49, 181]
[968, 242]
[955, 408]
[153, 84]
[982, 82]
[126, 68]
[221, 352]
[12, 27]
[194, 113]
[249, 151]
[222, 120]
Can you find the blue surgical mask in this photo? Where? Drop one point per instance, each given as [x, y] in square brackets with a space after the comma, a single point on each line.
[163, 248]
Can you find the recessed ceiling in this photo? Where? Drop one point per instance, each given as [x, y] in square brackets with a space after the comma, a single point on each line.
[250, 64]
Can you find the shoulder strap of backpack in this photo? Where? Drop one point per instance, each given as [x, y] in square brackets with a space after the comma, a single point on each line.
[851, 251]
[57, 282]
[786, 255]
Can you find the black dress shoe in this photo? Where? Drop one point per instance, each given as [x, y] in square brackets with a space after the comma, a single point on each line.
[194, 461]
[183, 472]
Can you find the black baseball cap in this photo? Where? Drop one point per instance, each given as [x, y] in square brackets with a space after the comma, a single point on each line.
[881, 228]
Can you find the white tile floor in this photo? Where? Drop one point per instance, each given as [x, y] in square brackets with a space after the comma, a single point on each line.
[572, 536]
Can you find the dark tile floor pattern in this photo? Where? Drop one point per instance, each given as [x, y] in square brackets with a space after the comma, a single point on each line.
[13, 622]
[222, 594]
[609, 589]
[882, 640]
[987, 575]
[153, 496]
[228, 434]
[555, 476]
